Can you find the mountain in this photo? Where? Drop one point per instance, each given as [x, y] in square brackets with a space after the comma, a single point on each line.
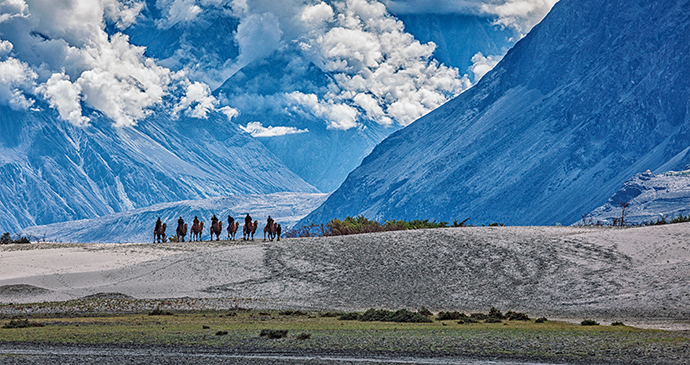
[650, 197]
[53, 171]
[137, 225]
[458, 37]
[596, 92]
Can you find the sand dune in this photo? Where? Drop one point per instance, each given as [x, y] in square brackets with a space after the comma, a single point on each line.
[637, 274]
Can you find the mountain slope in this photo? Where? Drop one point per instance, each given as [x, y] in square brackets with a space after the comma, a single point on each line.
[53, 171]
[598, 91]
[137, 225]
[650, 197]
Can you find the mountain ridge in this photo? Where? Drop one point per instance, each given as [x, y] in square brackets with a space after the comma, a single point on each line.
[547, 135]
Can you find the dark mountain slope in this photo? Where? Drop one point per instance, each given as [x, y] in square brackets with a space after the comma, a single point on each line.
[598, 91]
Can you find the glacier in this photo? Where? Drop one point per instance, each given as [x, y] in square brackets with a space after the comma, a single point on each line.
[595, 93]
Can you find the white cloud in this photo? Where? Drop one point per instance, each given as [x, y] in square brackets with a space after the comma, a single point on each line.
[520, 15]
[379, 67]
[256, 129]
[64, 96]
[15, 78]
[481, 65]
[177, 11]
[72, 60]
[338, 116]
[197, 101]
[258, 35]
[229, 112]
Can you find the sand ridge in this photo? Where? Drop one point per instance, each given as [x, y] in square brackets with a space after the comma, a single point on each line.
[640, 274]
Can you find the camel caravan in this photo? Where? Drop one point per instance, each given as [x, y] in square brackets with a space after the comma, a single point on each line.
[272, 230]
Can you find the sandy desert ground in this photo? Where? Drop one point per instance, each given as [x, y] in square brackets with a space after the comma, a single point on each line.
[637, 275]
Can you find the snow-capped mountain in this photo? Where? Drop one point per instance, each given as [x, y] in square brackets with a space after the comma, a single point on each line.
[596, 92]
[137, 225]
[53, 171]
[649, 197]
[287, 89]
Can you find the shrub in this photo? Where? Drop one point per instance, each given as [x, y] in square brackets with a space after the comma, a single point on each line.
[589, 322]
[273, 334]
[495, 313]
[617, 324]
[479, 316]
[19, 323]
[401, 315]
[425, 312]
[467, 320]
[516, 316]
[160, 312]
[292, 313]
[5, 239]
[541, 320]
[331, 314]
[221, 333]
[351, 316]
[442, 316]
[304, 336]
[492, 320]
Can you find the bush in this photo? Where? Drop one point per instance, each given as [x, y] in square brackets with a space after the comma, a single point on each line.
[19, 323]
[351, 316]
[6, 239]
[492, 320]
[160, 312]
[541, 320]
[425, 312]
[401, 315]
[292, 313]
[479, 316]
[331, 314]
[495, 313]
[221, 333]
[516, 316]
[468, 320]
[589, 322]
[443, 316]
[273, 334]
[617, 324]
[304, 336]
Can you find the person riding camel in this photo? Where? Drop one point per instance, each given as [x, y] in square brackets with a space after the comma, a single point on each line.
[247, 221]
[214, 220]
[231, 221]
[195, 222]
[180, 224]
[158, 225]
[269, 222]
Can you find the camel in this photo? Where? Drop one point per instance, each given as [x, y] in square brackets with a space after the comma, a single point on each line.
[270, 230]
[232, 230]
[216, 228]
[159, 234]
[249, 230]
[197, 230]
[182, 232]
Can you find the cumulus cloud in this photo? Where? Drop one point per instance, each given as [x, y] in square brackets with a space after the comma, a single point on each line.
[377, 66]
[64, 96]
[481, 65]
[338, 116]
[256, 129]
[15, 78]
[519, 15]
[63, 50]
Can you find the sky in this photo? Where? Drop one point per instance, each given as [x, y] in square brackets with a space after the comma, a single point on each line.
[70, 54]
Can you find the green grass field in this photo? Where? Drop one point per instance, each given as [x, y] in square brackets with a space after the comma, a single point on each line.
[315, 333]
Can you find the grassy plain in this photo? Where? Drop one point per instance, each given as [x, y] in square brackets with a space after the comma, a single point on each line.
[321, 333]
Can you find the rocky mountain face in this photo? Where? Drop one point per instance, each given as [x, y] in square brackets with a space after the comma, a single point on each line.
[53, 171]
[137, 225]
[595, 93]
[649, 198]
